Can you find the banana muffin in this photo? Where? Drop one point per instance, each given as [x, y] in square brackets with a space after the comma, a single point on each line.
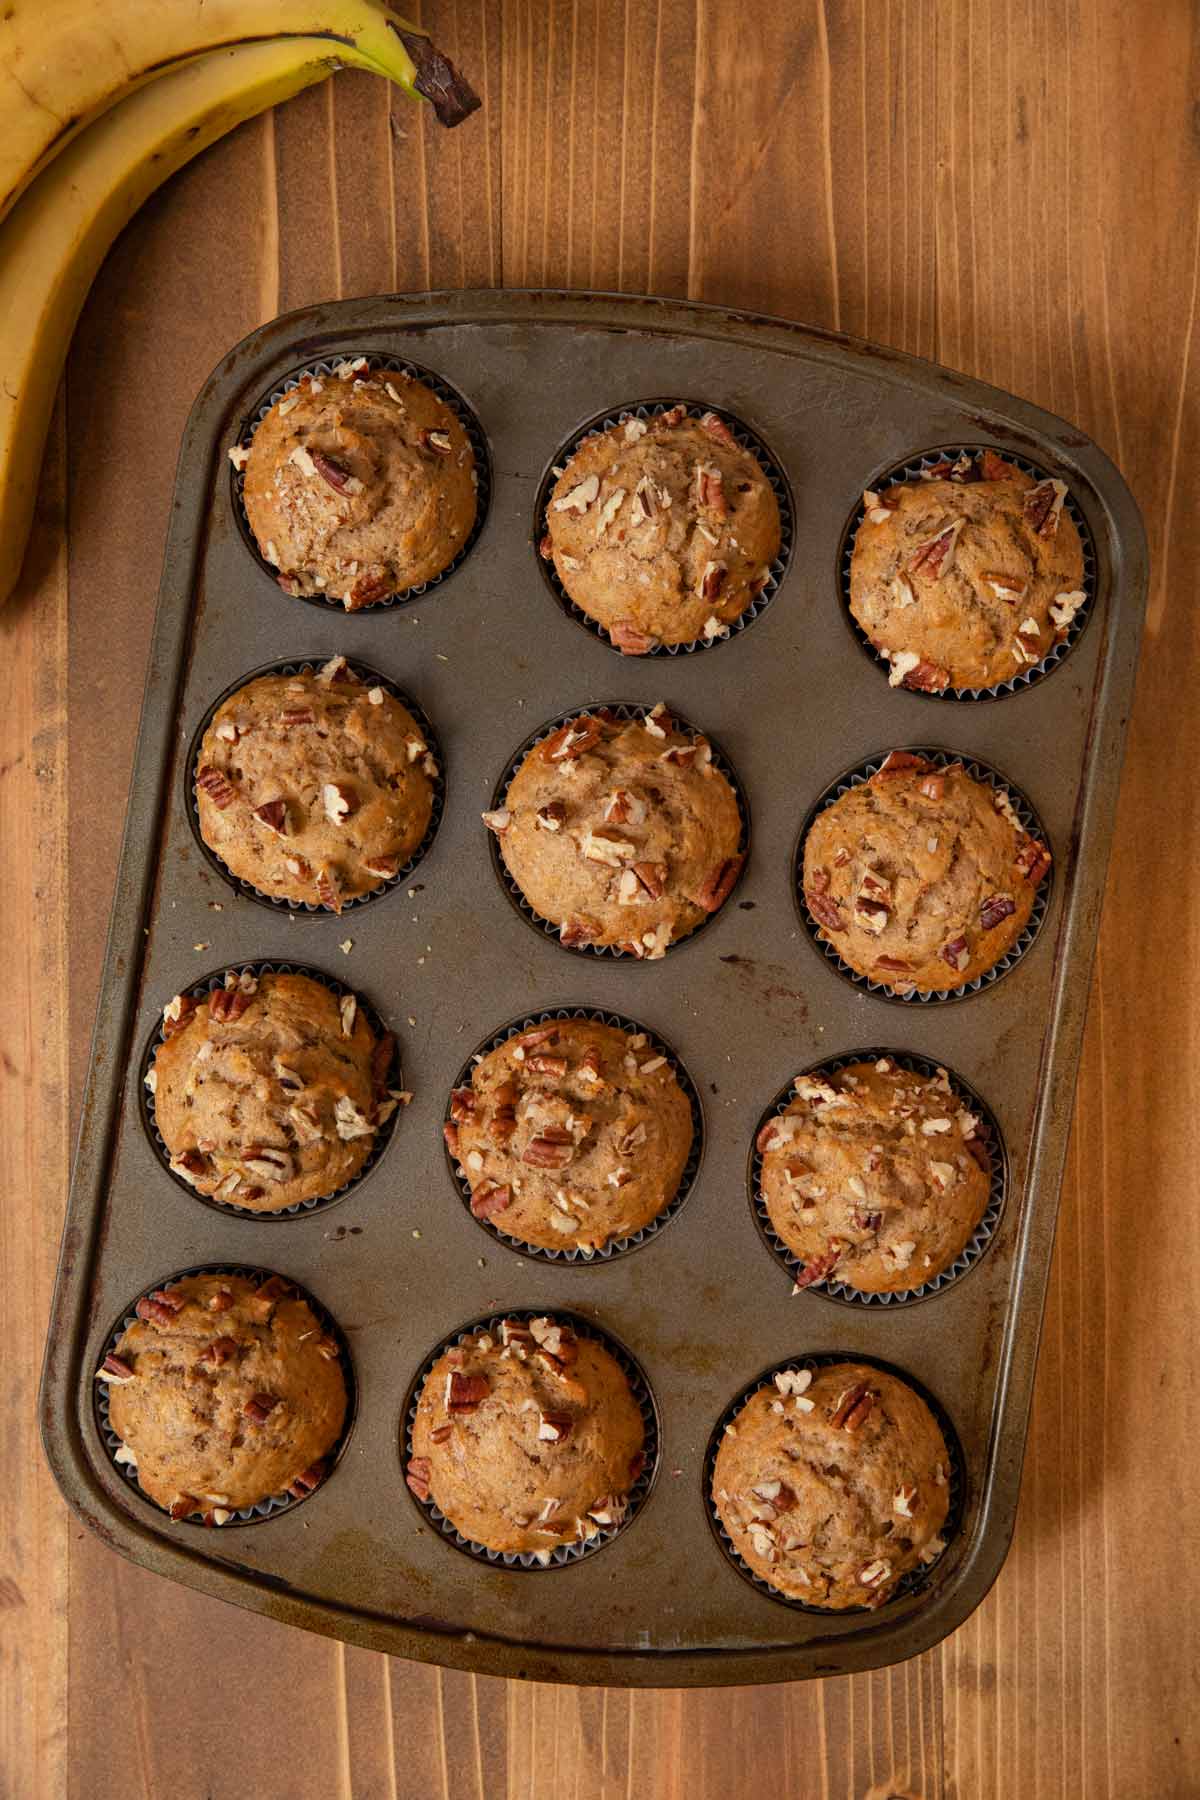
[663, 530]
[874, 1176]
[834, 1485]
[527, 1440]
[966, 577]
[921, 878]
[315, 788]
[270, 1090]
[359, 484]
[571, 1134]
[223, 1392]
[621, 832]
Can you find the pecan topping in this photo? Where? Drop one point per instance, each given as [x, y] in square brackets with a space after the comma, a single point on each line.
[629, 640]
[160, 1306]
[219, 1351]
[712, 580]
[552, 1150]
[115, 1370]
[997, 908]
[462, 1104]
[927, 678]
[553, 1427]
[543, 1064]
[329, 888]
[503, 1121]
[227, 1004]
[935, 557]
[221, 1301]
[441, 1434]
[1005, 587]
[718, 429]
[335, 473]
[274, 815]
[875, 1573]
[591, 1063]
[572, 740]
[956, 954]
[307, 1480]
[437, 443]
[580, 497]
[1042, 506]
[268, 1162]
[1032, 861]
[217, 786]
[176, 1014]
[818, 1267]
[577, 930]
[450, 1134]
[417, 1475]
[260, 1406]
[546, 547]
[992, 466]
[718, 883]
[652, 877]
[465, 1393]
[297, 715]
[895, 964]
[497, 821]
[490, 1199]
[551, 816]
[1064, 607]
[824, 909]
[541, 1034]
[383, 866]
[879, 507]
[339, 800]
[897, 761]
[183, 1506]
[366, 589]
[933, 786]
[853, 1408]
[710, 490]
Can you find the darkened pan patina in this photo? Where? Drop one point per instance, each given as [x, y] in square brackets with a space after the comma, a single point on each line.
[490, 654]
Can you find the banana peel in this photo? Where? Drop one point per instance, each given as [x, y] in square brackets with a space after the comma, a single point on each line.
[55, 239]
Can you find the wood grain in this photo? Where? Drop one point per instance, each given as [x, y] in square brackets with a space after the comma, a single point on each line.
[1012, 190]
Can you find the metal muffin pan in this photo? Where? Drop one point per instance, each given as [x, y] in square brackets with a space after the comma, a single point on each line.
[700, 1307]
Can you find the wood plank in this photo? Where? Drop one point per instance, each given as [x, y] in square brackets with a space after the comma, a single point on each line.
[985, 185]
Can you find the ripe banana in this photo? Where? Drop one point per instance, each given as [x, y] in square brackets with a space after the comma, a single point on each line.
[55, 239]
[64, 62]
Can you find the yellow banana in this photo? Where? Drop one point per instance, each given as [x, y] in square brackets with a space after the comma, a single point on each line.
[64, 62]
[54, 240]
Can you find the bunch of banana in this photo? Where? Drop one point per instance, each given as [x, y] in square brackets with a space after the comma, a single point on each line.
[101, 103]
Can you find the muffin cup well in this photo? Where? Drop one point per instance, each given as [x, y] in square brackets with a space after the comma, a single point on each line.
[273, 1503]
[564, 1554]
[199, 990]
[306, 909]
[624, 710]
[385, 365]
[915, 468]
[918, 1580]
[940, 759]
[635, 1240]
[976, 1244]
[747, 440]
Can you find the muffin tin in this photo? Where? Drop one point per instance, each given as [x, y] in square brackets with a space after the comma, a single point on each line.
[702, 1308]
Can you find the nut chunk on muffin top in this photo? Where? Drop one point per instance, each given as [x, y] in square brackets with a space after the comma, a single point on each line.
[527, 1440]
[270, 1090]
[359, 484]
[967, 576]
[621, 831]
[833, 1486]
[571, 1134]
[315, 788]
[921, 878]
[874, 1176]
[663, 530]
[223, 1392]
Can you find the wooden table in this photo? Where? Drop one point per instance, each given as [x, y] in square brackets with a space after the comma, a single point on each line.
[1009, 189]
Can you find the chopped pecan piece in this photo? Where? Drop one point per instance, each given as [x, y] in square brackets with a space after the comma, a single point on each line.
[996, 909]
[335, 473]
[383, 866]
[273, 814]
[437, 443]
[442, 1434]
[712, 580]
[183, 1506]
[853, 1407]
[898, 761]
[824, 909]
[217, 786]
[552, 816]
[329, 888]
[992, 466]
[160, 1306]
[339, 800]
[450, 1134]
[417, 1474]
[554, 1427]
[176, 1013]
[296, 715]
[498, 821]
[579, 497]
[718, 429]
[573, 739]
[503, 1121]
[544, 1063]
[718, 883]
[1032, 861]
[462, 1104]
[115, 1370]
[553, 1149]
[260, 1406]
[490, 1199]
[577, 930]
[546, 547]
[629, 640]
[219, 1351]
[818, 1268]
[307, 1480]
[367, 589]
[935, 557]
[956, 954]
[465, 1393]
[1043, 504]
[541, 1034]
[933, 786]
[227, 1004]
[926, 678]
[710, 490]
[894, 965]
